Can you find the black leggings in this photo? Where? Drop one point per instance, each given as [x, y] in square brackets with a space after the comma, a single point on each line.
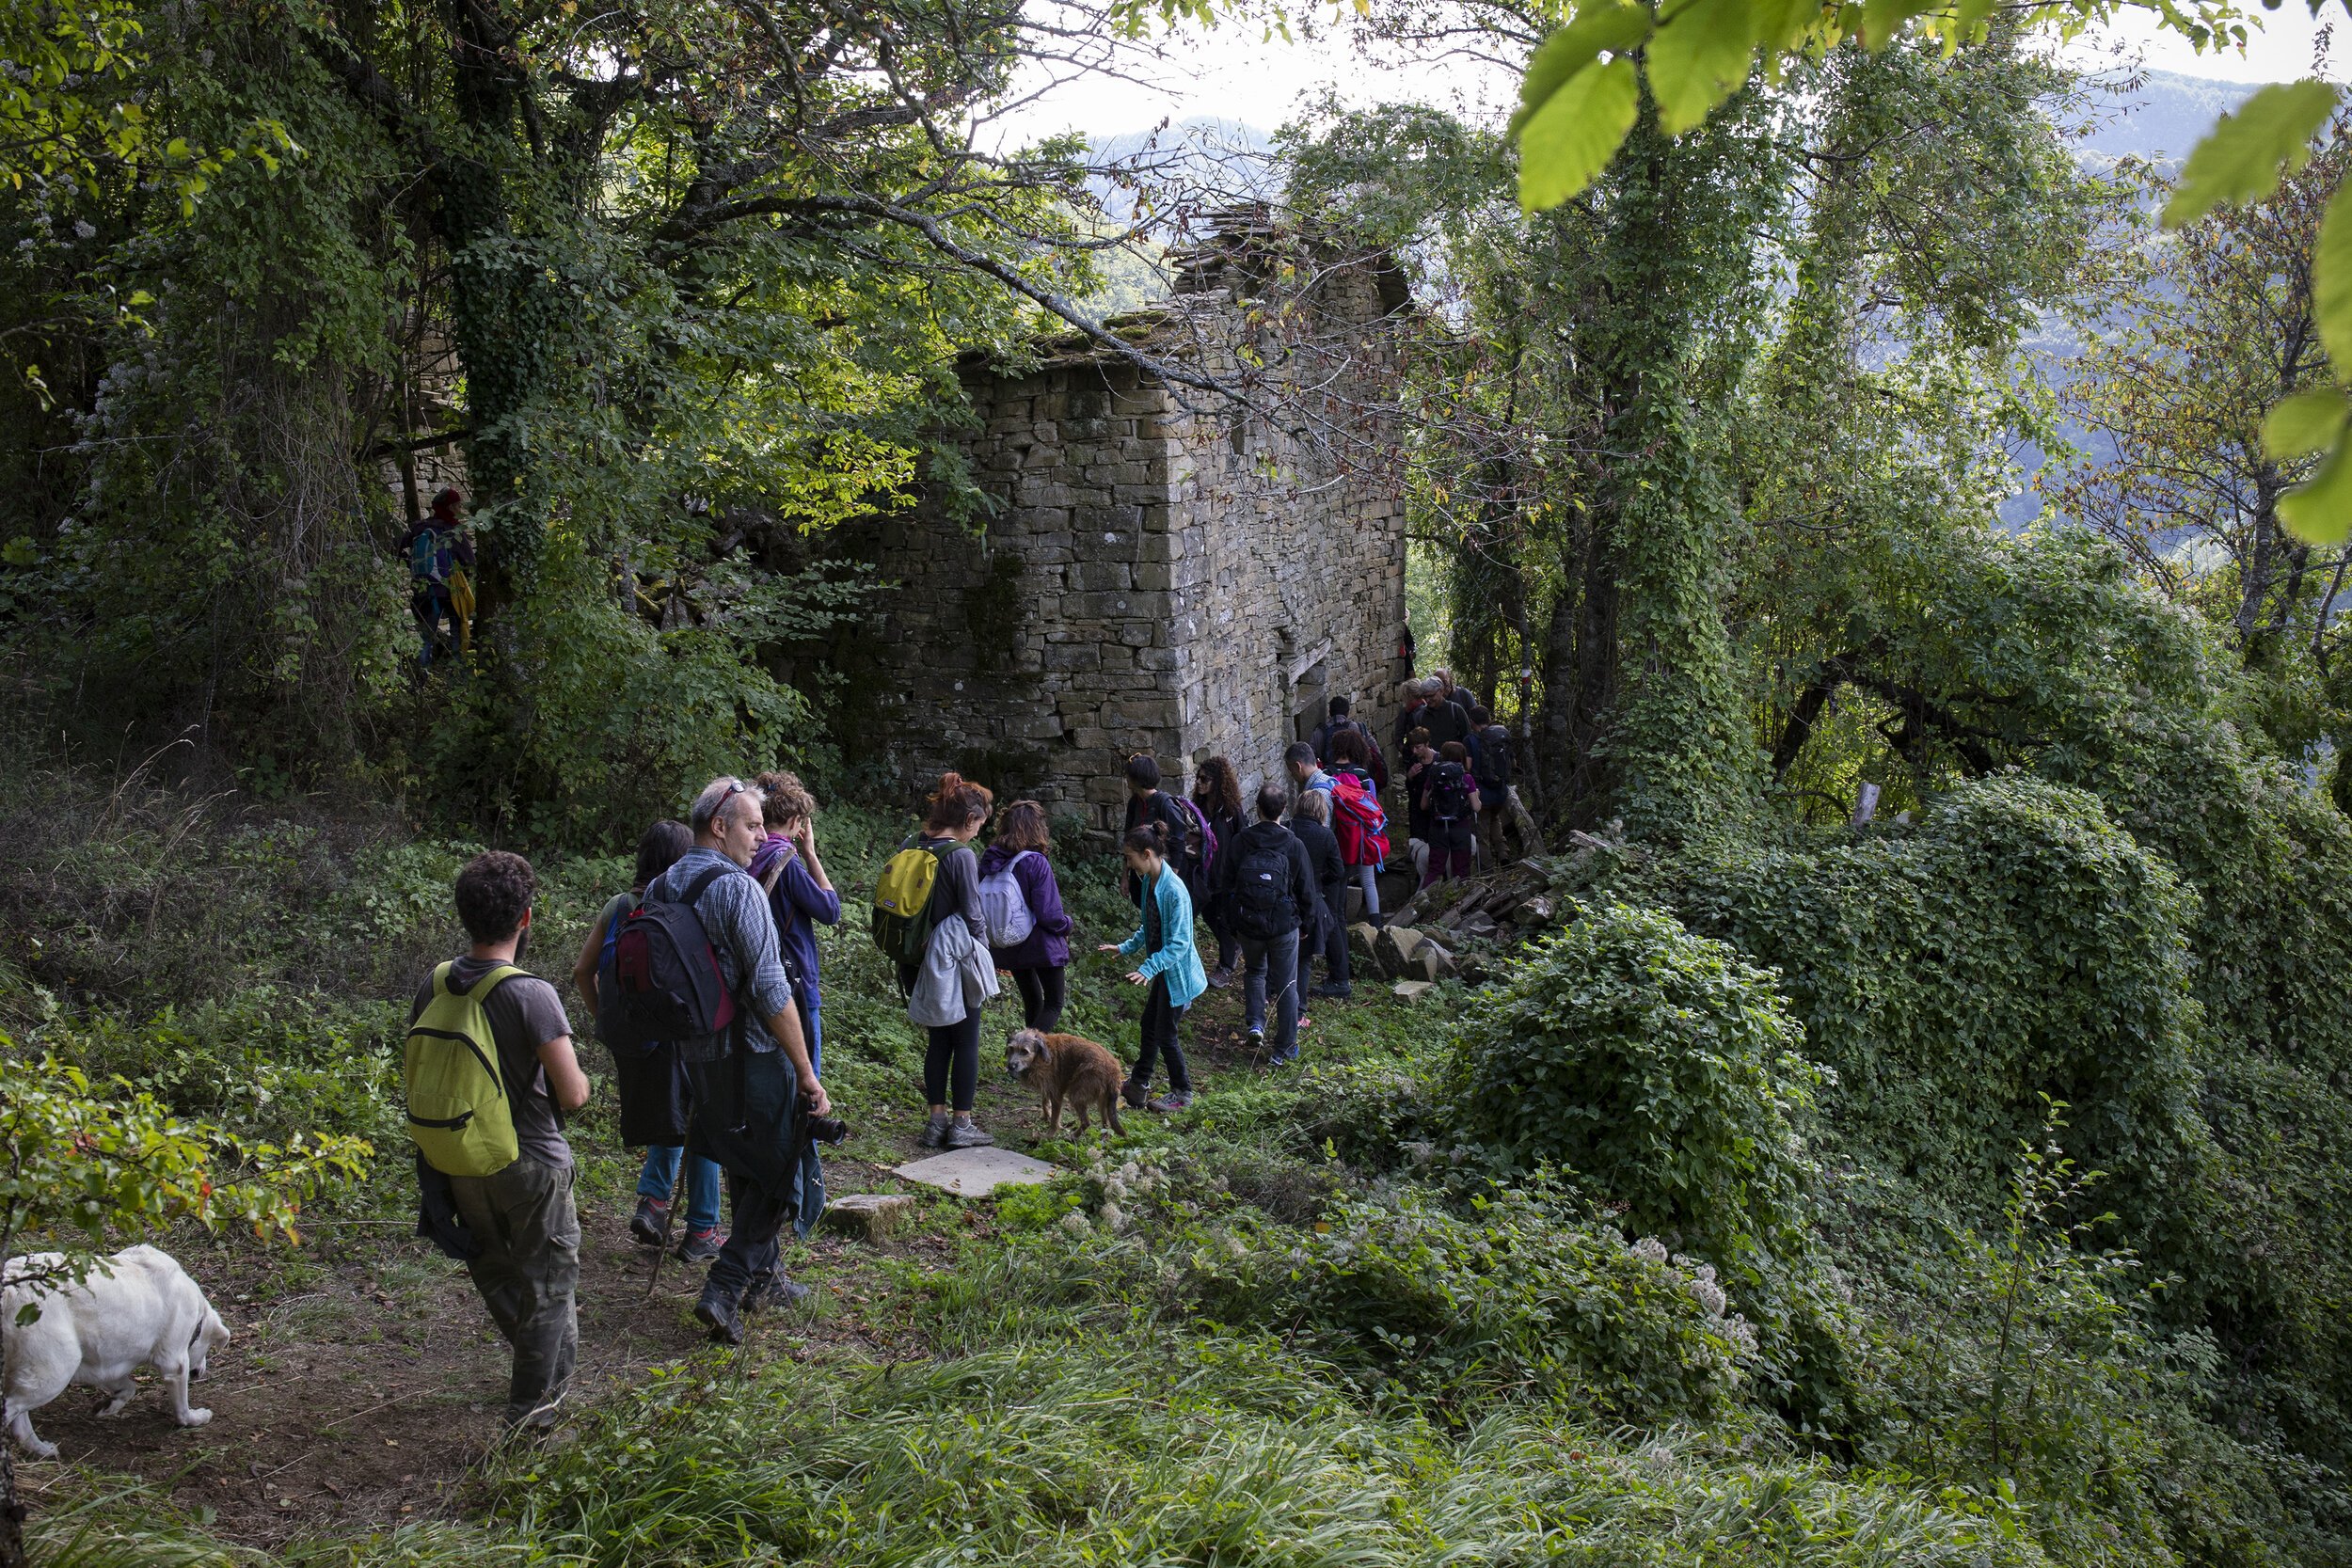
[955, 1045]
[1043, 992]
[1159, 1035]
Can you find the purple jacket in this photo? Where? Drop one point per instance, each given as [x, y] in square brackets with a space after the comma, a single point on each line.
[797, 901]
[1048, 946]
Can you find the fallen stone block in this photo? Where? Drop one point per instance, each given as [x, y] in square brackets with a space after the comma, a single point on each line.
[1535, 911]
[1394, 948]
[1431, 962]
[1413, 990]
[976, 1172]
[869, 1216]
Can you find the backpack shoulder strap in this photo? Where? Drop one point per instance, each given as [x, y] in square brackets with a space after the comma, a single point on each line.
[490, 982]
[701, 884]
[440, 976]
[775, 873]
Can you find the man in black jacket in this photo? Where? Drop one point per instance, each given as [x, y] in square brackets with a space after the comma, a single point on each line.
[1271, 894]
[1310, 821]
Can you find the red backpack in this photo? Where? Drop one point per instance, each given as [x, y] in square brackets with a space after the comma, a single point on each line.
[1356, 819]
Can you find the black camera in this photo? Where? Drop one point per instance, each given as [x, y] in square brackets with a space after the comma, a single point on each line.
[827, 1129]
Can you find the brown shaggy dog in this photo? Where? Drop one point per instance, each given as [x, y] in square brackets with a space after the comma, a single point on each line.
[1067, 1070]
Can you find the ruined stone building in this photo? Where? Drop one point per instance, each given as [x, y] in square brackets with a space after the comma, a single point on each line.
[1158, 569]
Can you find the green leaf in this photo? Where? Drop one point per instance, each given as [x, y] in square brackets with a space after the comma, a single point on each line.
[1698, 57]
[1882, 19]
[2243, 157]
[1611, 27]
[2331, 281]
[2320, 512]
[2304, 423]
[1572, 137]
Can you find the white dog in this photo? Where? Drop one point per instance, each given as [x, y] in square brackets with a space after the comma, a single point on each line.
[137, 1308]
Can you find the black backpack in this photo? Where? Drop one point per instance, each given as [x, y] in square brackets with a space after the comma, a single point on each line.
[659, 982]
[1450, 794]
[1263, 906]
[1494, 763]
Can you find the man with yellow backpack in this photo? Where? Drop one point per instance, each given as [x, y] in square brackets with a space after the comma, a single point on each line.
[488, 1071]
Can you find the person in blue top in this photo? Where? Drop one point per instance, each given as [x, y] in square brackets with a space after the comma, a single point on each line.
[800, 894]
[1169, 966]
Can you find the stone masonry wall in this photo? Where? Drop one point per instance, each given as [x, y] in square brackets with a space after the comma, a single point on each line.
[1153, 578]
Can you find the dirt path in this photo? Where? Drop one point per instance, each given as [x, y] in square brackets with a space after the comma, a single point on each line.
[365, 1382]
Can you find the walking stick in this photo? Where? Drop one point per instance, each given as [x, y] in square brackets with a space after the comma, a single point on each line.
[669, 1216]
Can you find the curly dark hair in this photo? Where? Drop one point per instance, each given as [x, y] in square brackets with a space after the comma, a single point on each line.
[1348, 747]
[1214, 790]
[494, 893]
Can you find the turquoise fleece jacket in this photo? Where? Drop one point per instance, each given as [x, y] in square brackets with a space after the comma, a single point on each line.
[1177, 958]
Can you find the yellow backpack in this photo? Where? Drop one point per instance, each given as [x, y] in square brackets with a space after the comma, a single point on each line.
[902, 901]
[459, 1113]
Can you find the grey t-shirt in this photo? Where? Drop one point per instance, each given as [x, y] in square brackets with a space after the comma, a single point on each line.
[525, 1013]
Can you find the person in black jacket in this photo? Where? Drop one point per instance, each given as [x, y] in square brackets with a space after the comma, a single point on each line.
[1217, 792]
[1310, 821]
[1147, 802]
[1271, 889]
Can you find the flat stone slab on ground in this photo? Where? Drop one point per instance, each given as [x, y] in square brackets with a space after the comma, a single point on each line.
[1410, 990]
[872, 1216]
[976, 1172]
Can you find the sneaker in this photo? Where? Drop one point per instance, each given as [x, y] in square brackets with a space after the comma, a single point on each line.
[965, 1134]
[934, 1131]
[715, 1312]
[773, 1289]
[1289, 1060]
[700, 1246]
[1135, 1095]
[651, 1222]
[1220, 978]
[1333, 991]
[1170, 1104]
[1255, 1040]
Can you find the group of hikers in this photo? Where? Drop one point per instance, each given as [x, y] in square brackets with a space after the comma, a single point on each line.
[703, 979]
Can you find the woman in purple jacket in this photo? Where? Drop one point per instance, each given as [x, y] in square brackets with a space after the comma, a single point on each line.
[1036, 960]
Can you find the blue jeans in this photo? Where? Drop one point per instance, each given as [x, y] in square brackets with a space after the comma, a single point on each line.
[1271, 967]
[659, 1178]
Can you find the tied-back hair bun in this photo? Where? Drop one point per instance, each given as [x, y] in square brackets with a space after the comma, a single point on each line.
[1150, 839]
[955, 801]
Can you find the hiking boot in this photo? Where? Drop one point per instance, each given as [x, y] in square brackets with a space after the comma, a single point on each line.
[715, 1312]
[773, 1289]
[934, 1132]
[1168, 1104]
[651, 1222]
[1332, 991]
[700, 1246]
[1220, 978]
[965, 1134]
[1135, 1095]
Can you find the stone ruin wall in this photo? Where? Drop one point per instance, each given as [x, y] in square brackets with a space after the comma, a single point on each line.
[1156, 577]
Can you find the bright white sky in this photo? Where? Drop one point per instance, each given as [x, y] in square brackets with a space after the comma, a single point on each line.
[1230, 75]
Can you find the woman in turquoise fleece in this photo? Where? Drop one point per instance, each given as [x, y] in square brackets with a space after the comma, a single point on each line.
[1170, 967]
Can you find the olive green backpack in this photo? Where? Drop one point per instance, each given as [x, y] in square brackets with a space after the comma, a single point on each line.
[458, 1110]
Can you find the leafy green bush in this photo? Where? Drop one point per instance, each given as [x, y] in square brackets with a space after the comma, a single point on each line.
[1528, 1292]
[2016, 944]
[1658, 1072]
[263, 1063]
